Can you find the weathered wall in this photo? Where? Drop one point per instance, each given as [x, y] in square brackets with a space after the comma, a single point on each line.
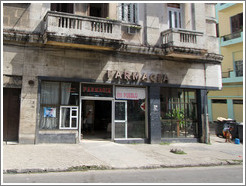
[66, 63]
[29, 16]
[24, 16]
[32, 62]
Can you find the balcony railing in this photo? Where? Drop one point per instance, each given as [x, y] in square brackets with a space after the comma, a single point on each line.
[183, 38]
[232, 36]
[69, 24]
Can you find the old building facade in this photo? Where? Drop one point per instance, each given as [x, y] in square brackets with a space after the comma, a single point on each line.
[126, 72]
[228, 103]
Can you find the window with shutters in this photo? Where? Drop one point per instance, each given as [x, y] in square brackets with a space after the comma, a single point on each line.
[237, 23]
[174, 15]
[128, 12]
[239, 68]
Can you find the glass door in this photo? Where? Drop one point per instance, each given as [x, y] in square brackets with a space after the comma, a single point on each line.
[120, 119]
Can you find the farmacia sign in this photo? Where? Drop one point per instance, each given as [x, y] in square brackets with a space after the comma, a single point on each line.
[137, 77]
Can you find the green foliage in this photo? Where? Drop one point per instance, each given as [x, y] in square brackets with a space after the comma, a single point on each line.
[165, 143]
[135, 26]
[176, 114]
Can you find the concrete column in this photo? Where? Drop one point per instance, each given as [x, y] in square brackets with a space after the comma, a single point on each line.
[230, 109]
[210, 111]
[28, 110]
[202, 110]
[154, 115]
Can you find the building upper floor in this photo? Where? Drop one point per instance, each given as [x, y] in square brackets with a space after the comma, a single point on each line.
[170, 29]
[230, 27]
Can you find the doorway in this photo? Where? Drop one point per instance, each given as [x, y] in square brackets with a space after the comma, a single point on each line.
[11, 114]
[96, 119]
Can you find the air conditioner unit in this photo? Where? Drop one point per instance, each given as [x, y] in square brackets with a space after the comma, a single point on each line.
[131, 30]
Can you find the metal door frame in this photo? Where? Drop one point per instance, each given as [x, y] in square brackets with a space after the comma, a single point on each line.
[82, 98]
[125, 121]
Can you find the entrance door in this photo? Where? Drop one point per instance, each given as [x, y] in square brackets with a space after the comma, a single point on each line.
[11, 113]
[96, 115]
[120, 119]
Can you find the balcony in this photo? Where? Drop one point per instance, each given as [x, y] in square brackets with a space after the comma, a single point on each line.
[183, 43]
[235, 76]
[233, 38]
[77, 30]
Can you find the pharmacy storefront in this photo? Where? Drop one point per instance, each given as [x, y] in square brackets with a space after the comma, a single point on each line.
[72, 111]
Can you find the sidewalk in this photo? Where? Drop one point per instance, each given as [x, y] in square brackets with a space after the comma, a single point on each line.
[109, 155]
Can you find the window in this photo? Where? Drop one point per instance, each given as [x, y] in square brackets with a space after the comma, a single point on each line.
[178, 113]
[217, 30]
[238, 101]
[237, 23]
[68, 117]
[239, 68]
[130, 112]
[174, 15]
[53, 96]
[62, 7]
[222, 101]
[128, 12]
[98, 9]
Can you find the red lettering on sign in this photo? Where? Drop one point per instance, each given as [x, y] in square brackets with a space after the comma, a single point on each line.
[96, 89]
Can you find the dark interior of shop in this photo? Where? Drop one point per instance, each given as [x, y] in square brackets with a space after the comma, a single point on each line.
[99, 126]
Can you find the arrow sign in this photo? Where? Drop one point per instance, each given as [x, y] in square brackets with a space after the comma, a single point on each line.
[142, 106]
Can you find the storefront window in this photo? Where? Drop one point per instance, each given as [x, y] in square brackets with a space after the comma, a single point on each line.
[132, 123]
[53, 96]
[68, 117]
[136, 118]
[178, 113]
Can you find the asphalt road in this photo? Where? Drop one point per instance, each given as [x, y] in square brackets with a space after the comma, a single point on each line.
[220, 174]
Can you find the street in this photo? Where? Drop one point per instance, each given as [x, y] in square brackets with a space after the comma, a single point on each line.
[220, 174]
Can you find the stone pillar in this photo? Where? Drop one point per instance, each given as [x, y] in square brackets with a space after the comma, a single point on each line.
[28, 110]
[154, 115]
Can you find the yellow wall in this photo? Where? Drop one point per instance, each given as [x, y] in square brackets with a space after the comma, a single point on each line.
[227, 91]
[230, 53]
[224, 18]
[219, 110]
[238, 112]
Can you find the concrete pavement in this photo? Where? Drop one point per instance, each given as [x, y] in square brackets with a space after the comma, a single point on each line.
[109, 155]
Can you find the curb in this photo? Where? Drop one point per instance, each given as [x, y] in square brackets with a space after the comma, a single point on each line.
[96, 167]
